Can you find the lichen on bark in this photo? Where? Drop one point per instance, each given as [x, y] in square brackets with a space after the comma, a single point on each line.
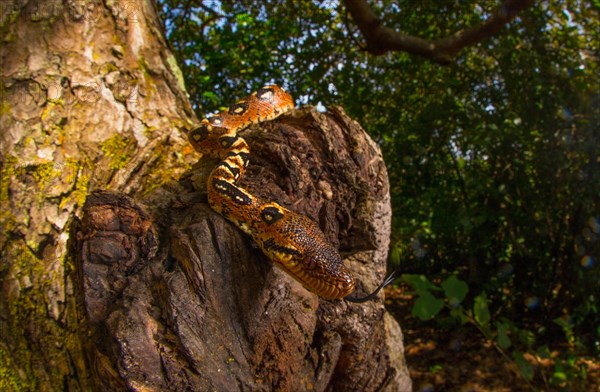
[58, 105]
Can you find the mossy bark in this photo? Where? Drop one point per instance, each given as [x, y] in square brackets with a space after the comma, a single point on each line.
[89, 100]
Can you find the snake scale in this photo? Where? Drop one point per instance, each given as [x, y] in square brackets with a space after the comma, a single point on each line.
[290, 240]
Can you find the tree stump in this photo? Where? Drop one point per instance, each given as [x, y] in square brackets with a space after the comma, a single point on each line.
[175, 297]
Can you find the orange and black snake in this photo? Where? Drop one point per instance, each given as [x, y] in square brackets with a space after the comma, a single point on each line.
[292, 241]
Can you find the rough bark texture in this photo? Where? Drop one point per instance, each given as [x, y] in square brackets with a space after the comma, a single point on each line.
[197, 307]
[89, 100]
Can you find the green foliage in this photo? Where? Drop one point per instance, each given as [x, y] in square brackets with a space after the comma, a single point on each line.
[427, 306]
[525, 367]
[481, 310]
[455, 290]
[512, 341]
[502, 338]
[493, 161]
[419, 283]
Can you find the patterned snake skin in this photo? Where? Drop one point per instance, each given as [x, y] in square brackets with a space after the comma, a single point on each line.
[290, 240]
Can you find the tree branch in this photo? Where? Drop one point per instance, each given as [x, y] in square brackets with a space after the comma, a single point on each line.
[381, 39]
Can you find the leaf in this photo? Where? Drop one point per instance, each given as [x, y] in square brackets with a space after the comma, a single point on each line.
[427, 306]
[558, 378]
[525, 367]
[455, 290]
[459, 314]
[563, 322]
[436, 368]
[210, 96]
[502, 338]
[481, 310]
[526, 337]
[419, 283]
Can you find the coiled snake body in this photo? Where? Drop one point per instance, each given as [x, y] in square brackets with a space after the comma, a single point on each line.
[292, 241]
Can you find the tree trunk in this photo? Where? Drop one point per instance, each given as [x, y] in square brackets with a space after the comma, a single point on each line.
[89, 100]
[153, 290]
[178, 298]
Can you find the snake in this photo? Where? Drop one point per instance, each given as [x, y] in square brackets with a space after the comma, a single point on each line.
[290, 240]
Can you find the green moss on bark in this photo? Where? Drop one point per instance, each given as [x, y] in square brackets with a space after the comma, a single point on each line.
[116, 149]
[39, 345]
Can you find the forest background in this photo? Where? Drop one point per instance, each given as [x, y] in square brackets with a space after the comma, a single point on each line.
[493, 154]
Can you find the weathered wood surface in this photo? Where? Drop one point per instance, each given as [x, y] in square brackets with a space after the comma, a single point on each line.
[176, 298]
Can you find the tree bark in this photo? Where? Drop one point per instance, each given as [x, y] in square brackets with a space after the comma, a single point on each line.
[89, 100]
[153, 290]
[177, 298]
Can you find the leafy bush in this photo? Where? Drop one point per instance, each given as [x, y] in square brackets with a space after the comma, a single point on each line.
[516, 343]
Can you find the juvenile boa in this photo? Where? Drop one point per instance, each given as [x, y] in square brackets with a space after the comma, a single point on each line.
[290, 240]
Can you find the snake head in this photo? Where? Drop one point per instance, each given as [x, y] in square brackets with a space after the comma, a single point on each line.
[325, 274]
[297, 245]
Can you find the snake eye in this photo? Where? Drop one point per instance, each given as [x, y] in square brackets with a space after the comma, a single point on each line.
[200, 133]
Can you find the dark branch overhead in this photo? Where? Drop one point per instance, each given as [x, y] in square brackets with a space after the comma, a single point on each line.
[381, 39]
